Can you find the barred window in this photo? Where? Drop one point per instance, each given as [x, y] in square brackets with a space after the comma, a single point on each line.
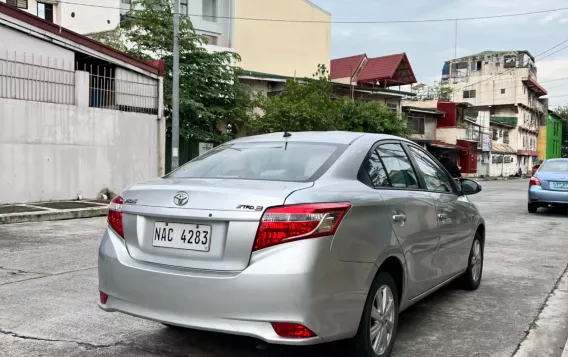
[20, 4]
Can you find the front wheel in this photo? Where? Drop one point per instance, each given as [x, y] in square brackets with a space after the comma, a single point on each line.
[472, 277]
[377, 329]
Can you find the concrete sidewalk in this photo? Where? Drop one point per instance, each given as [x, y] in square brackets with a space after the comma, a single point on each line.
[52, 211]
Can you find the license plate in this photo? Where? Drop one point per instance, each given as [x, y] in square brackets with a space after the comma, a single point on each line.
[182, 236]
[559, 185]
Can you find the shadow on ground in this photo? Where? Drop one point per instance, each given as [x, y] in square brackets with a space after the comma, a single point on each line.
[180, 342]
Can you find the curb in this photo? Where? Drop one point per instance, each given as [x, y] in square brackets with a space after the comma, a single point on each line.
[54, 215]
[565, 353]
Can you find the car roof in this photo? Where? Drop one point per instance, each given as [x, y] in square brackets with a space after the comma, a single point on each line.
[331, 137]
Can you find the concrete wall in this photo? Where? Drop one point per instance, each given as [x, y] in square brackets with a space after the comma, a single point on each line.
[429, 128]
[83, 19]
[21, 47]
[284, 48]
[56, 151]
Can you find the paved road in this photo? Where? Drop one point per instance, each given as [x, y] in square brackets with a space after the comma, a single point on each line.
[48, 294]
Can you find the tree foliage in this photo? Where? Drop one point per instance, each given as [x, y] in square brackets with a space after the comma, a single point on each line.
[213, 103]
[311, 105]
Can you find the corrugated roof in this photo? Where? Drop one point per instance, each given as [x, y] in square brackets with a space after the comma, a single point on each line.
[346, 66]
[502, 149]
[380, 67]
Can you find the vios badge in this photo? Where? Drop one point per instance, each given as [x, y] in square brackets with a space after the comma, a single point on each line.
[181, 199]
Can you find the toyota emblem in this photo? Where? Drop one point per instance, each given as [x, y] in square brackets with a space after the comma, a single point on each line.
[181, 199]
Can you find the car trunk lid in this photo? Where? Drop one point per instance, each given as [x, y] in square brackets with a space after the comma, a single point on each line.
[212, 228]
[555, 181]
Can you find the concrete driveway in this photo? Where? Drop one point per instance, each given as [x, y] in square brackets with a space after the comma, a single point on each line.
[48, 295]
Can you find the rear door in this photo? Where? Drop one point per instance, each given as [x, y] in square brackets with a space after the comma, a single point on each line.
[455, 216]
[205, 215]
[411, 209]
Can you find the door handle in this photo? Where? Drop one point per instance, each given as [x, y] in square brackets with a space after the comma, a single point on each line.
[399, 218]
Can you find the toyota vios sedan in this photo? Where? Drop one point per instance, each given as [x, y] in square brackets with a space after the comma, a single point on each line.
[549, 185]
[293, 238]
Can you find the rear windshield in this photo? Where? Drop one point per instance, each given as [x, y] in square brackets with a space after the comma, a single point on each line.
[554, 166]
[275, 161]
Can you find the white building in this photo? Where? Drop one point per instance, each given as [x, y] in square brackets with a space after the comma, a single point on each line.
[82, 16]
[504, 83]
[75, 117]
[212, 18]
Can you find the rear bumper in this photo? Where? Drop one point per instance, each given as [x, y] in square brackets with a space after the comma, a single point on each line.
[538, 195]
[297, 282]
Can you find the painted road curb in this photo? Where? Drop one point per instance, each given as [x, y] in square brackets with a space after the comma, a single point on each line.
[53, 215]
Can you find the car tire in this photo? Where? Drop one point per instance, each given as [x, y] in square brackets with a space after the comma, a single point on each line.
[532, 208]
[471, 279]
[383, 319]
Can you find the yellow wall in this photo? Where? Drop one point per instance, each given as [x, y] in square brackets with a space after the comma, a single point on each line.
[282, 47]
[542, 143]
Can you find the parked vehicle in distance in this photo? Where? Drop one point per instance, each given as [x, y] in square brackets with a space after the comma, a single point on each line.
[296, 239]
[535, 169]
[549, 185]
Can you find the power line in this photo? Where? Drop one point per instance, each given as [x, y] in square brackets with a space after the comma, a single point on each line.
[554, 80]
[347, 22]
[550, 54]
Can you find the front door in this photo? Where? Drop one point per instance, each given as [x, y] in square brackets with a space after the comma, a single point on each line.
[412, 212]
[454, 216]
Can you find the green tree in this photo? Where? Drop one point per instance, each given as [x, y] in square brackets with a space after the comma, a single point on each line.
[562, 111]
[311, 105]
[214, 105]
[373, 117]
[306, 105]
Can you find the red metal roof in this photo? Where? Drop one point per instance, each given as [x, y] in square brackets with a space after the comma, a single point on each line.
[75, 37]
[346, 66]
[532, 84]
[391, 70]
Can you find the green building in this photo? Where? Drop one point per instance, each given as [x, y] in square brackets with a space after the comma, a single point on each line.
[550, 137]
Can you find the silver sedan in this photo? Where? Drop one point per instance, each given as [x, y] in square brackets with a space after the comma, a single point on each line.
[293, 238]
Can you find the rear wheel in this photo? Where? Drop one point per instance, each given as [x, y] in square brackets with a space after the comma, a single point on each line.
[472, 277]
[532, 208]
[377, 329]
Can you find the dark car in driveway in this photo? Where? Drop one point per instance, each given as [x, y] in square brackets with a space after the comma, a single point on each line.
[549, 185]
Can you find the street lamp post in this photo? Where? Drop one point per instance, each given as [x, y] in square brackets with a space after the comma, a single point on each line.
[175, 90]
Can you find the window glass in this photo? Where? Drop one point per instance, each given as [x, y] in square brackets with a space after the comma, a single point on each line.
[397, 166]
[277, 161]
[436, 179]
[555, 166]
[376, 171]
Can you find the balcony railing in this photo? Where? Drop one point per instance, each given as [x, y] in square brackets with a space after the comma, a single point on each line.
[509, 121]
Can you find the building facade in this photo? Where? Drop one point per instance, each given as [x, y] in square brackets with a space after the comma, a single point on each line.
[550, 137]
[82, 16]
[292, 49]
[505, 84]
[67, 107]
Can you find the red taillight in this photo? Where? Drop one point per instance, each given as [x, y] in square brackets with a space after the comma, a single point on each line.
[288, 223]
[115, 215]
[103, 297]
[291, 330]
[534, 181]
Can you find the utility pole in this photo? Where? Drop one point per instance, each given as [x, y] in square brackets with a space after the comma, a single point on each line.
[175, 90]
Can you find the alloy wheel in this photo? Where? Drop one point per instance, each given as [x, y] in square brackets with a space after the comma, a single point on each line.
[476, 261]
[382, 320]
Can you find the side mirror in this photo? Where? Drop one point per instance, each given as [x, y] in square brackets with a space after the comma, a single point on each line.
[470, 187]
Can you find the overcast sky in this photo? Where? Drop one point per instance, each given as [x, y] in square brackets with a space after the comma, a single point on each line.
[428, 45]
